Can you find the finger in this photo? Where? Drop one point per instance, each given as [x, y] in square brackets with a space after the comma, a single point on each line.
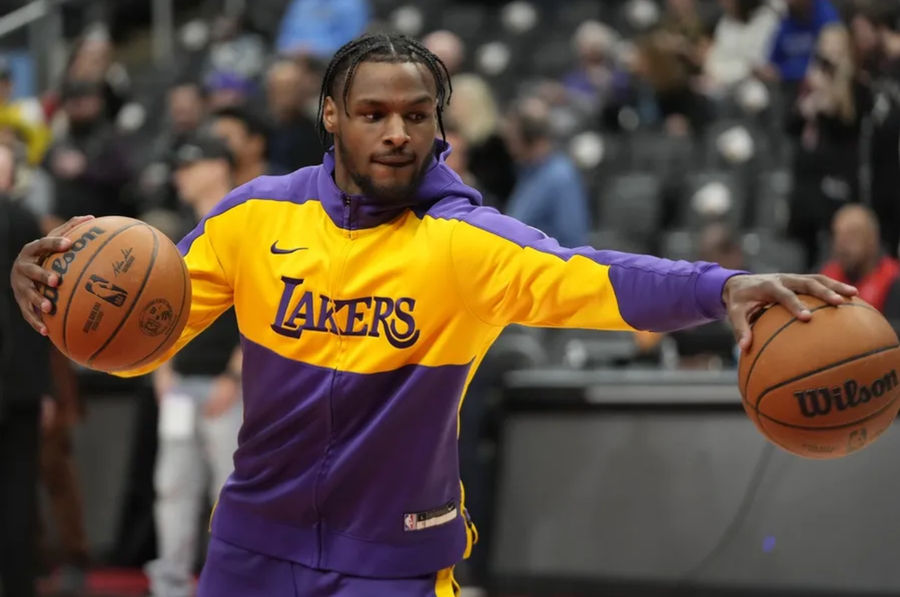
[813, 287]
[740, 322]
[31, 316]
[38, 302]
[71, 223]
[789, 300]
[838, 287]
[37, 274]
[37, 249]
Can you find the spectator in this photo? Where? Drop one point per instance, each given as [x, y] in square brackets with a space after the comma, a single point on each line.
[186, 108]
[825, 122]
[476, 116]
[460, 162]
[320, 27]
[293, 140]
[741, 42]
[549, 194]
[857, 259]
[447, 46]
[199, 396]
[669, 76]
[24, 118]
[884, 147]
[227, 89]
[24, 383]
[594, 80]
[795, 40]
[245, 134]
[90, 163]
[92, 59]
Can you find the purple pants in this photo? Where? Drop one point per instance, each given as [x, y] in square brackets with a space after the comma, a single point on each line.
[231, 571]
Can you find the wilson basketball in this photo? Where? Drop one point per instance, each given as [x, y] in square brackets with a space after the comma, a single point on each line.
[824, 388]
[123, 297]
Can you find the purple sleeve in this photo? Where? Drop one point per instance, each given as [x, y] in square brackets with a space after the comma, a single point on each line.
[652, 293]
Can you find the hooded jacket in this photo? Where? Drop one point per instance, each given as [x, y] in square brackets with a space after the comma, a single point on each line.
[362, 324]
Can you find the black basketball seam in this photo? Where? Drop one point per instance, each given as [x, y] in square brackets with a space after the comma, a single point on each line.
[136, 298]
[785, 326]
[832, 427]
[65, 326]
[185, 277]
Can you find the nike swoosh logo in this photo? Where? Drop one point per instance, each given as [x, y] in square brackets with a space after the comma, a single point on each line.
[278, 251]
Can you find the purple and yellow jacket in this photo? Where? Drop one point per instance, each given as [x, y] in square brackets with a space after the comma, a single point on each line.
[362, 325]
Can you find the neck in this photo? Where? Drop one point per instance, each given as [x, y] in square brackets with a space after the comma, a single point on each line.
[204, 204]
[248, 172]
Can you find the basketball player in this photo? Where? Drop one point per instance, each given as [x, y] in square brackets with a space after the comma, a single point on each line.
[367, 290]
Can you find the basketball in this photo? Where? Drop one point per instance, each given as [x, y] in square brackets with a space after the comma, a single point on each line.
[123, 295]
[824, 388]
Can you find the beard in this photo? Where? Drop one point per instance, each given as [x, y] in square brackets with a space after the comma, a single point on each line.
[397, 194]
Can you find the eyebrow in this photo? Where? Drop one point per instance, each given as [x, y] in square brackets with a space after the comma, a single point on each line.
[370, 101]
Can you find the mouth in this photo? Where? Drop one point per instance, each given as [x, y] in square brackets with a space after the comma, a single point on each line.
[395, 161]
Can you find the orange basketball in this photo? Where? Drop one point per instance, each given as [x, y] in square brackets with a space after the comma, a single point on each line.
[824, 388]
[124, 294]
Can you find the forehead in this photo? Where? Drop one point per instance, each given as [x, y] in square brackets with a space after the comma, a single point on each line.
[391, 82]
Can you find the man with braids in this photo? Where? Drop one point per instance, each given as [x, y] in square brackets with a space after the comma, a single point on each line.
[367, 290]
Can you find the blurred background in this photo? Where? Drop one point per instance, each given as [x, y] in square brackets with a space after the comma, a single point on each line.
[760, 135]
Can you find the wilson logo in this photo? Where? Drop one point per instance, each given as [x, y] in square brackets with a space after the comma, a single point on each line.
[372, 316]
[61, 264]
[821, 401]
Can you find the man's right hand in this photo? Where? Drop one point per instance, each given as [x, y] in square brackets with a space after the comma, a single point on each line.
[27, 274]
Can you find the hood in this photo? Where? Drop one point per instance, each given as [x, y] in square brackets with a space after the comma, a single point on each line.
[355, 212]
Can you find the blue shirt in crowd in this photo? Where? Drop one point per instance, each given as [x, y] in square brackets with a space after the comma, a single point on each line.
[795, 40]
[550, 196]
[321, 26]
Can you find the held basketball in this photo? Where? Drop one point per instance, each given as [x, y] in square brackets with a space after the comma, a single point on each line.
[824, 388]
[123, 296]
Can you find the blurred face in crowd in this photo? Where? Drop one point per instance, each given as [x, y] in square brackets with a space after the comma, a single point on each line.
[196, 181]
[384, 134]
[186, 108]
[718, 245]
[7, 168]
[247, 148]
[855, 238]
[531, 113]
[448, 47]
[84, 109]
[92, 59]
[284, 89]
[800, 8]
[865, 37]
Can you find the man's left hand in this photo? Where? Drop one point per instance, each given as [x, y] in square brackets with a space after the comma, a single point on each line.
[746, 294]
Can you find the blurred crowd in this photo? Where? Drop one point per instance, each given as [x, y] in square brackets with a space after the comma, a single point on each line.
[759, 134]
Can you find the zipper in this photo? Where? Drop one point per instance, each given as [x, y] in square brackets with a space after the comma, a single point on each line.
[347, 212]
[334, 290]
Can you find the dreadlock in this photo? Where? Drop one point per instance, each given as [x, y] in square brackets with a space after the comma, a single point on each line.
[380, 48]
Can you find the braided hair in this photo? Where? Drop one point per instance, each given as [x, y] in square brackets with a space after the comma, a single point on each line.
[393, 48]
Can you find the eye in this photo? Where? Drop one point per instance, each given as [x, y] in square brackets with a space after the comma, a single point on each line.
[372, 116]
[417, 116]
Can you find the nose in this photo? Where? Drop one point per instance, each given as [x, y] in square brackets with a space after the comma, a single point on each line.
[395, 134]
